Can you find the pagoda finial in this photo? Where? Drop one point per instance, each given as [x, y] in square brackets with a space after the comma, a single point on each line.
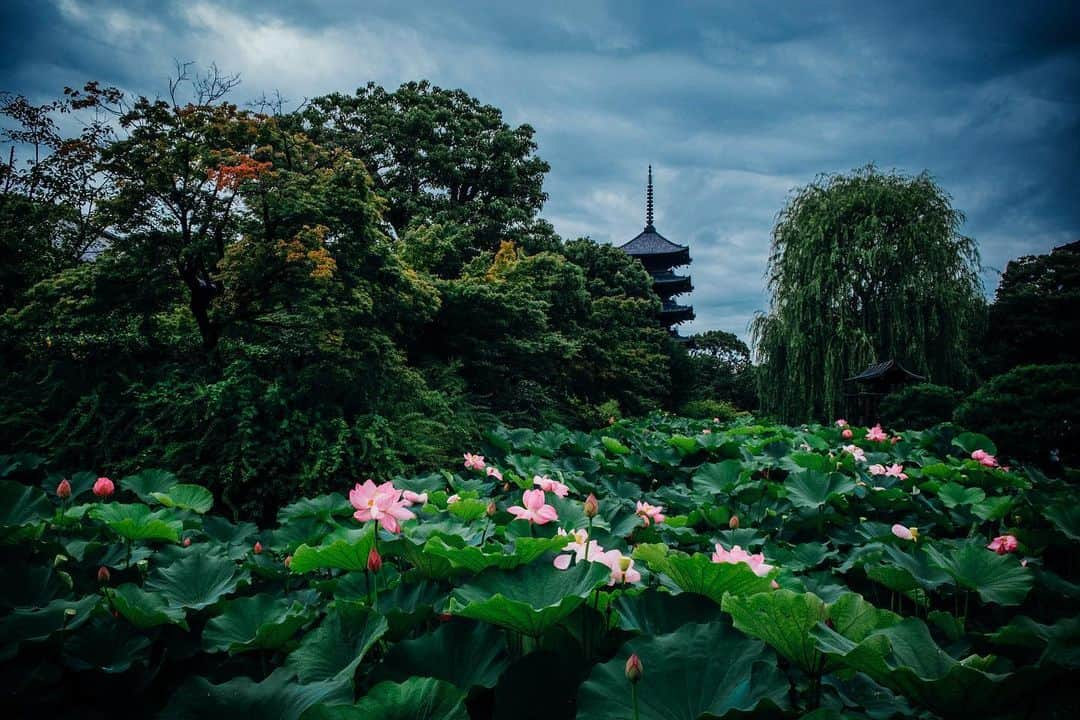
[649, 204]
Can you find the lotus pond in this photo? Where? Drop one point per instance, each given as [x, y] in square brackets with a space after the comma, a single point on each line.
[717, 570]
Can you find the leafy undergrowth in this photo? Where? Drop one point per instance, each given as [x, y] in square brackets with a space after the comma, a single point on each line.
[753, 570]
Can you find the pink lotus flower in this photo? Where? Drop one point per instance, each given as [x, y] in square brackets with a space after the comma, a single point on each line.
[552, 486]
[634, 668]
[494, 472]
[288, 561]
[1003, 544]
[474, 462]
[896, 470]
[984, 458]
[187, 542]
[877, 469]
[905, 533]
[847, 434]
[382, 503]
[737, 555]
[647, 513]
[412, 498]
[258, 548]
[706, 431]
[876, 434]
[856, 452]
[104, 487]
[453, 499]
[841, 423]
[580, 546]
[535, 510]
[63, 490]
[621, 566]
[374, 561]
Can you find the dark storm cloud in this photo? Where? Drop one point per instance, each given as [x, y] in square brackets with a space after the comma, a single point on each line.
[734, 104]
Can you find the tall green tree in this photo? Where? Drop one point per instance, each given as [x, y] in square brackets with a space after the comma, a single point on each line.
[722, 369]
[1035, 316]
[437, 155]
[864, 267]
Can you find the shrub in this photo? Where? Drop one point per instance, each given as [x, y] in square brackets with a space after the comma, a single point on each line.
[919, 406]
[1032, 412]
[705, 409]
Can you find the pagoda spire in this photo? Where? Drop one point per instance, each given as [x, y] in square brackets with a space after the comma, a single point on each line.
[649, 204]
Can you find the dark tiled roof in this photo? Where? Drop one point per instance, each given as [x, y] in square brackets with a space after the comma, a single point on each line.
[876, 371]
[650, 242]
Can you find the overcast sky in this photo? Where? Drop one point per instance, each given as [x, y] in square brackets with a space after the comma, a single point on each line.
[733, 103]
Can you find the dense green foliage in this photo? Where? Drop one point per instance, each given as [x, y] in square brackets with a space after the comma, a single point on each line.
[919, 406]
[1032, 411]
[865, 267]
[144, 603]
[1035, 316]
[721, 369]
[270, 305]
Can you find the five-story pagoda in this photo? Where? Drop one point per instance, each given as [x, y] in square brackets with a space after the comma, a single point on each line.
[660, 257]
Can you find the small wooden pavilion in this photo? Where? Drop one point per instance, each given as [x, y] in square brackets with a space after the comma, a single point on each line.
[863, 392]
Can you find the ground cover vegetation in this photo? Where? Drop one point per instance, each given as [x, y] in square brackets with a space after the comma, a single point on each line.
[660, 568]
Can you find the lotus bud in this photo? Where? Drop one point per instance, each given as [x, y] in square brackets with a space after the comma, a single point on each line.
[258, 548]
[288, 561]
[187, 542]
[103, 575]
[634, 669]
[104, 487]
[491, 509]
[374, 561]
[592, 506]
[63, 490]
[733, 523]
[847, 434]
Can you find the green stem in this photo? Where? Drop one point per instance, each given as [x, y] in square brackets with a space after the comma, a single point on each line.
[633, 696]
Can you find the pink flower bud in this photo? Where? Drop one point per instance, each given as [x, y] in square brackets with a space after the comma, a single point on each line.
[847, 434]
[63, 490]
[104, 487]
[187, 542]
[258, 548]
[491, 509]
[103, 575]
[288, 561]
[733, 523]
[374, 561]
[634, 668]
[592, 506]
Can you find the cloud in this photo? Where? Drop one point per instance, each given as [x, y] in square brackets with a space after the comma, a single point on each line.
[734, 104]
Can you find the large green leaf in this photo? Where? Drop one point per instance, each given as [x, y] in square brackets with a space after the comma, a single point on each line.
[1066, 518]
[278, 697]
[969, 442]
[784, 619]
[475, 559]
[135, 521]
[145, 609]
[697, 671]
[21, 506]
[322, 507]
[105, 644]
[997, 578]
[260, 622]
[810, 489]
[337, 645]
[954, 494]
[147, 482]
[529, 599]
[344, 549]
[717, 478]
[699, 574]
[653, 612]
[461, 652]
[26, 625]
[195, 581]
[905, 659]
[414, 699]
[186, 497]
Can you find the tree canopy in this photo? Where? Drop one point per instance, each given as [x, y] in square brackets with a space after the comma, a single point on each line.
[865, 266]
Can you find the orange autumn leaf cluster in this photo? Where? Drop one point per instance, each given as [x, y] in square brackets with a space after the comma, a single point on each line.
[230, 176]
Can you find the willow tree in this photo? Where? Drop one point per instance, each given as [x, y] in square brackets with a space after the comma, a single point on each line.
[864, 267]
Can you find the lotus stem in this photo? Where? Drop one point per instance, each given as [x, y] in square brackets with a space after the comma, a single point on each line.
[633, 698]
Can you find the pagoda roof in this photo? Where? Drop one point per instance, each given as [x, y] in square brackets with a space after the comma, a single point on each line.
[883, 370]
[650, 242]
